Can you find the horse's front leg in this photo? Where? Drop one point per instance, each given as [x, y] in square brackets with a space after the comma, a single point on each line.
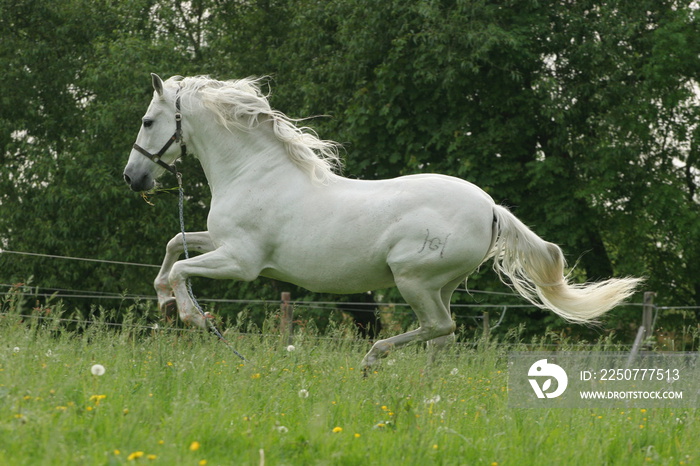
[197, 241]
[218, 264]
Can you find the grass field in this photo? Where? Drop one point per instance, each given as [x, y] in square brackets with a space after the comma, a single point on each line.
[182, 398]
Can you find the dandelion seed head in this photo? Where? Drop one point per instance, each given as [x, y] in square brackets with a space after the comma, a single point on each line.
[290, 348]
[98, 369]
[303, 393]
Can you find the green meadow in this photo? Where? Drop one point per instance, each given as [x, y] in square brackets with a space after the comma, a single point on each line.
[173, 396]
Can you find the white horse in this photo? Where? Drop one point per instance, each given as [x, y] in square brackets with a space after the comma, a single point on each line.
[278, 210]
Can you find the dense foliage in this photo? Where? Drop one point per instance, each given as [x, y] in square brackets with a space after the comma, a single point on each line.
[579, 115]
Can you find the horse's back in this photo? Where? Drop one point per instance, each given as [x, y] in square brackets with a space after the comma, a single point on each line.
[425, 224]
[440, 223]
[356, 235]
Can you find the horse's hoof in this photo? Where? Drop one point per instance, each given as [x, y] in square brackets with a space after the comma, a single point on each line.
[368, 370]
[169, 309]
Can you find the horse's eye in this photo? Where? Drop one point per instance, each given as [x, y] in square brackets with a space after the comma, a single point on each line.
[147, 123]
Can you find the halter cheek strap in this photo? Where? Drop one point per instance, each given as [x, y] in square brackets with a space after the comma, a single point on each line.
[176, 137]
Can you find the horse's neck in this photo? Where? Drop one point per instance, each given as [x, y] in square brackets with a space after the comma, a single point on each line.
[230, 158]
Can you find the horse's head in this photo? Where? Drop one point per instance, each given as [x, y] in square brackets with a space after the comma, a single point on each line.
[154, 152]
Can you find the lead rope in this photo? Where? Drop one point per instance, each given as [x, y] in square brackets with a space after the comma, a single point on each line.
[207, 318]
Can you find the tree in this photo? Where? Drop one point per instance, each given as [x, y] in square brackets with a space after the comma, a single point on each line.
[565, 111]
[579, 115]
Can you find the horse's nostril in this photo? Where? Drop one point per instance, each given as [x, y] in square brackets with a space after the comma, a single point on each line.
[127, 179]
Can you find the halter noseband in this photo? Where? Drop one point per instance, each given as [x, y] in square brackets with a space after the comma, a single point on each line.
[176, 137]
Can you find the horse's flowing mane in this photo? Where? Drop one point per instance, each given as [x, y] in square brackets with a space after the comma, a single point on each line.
[240, 104]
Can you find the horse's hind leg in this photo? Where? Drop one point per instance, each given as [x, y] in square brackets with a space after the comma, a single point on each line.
[440, 343]
[433, 316]
[197, 241]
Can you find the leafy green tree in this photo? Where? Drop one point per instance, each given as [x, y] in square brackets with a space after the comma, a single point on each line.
[579, 115]
[569, 112]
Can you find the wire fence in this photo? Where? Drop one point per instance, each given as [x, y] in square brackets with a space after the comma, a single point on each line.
[230, 334]
[372, 307]
[61, 293]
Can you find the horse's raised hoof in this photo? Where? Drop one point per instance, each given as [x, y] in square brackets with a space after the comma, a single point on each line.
[169, 309]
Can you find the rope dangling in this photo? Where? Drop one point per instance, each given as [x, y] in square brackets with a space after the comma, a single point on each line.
[207, 317]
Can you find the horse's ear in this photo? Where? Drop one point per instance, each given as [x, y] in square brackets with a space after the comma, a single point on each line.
[157, 84]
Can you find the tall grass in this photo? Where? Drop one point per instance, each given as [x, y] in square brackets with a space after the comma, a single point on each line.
[181, 397]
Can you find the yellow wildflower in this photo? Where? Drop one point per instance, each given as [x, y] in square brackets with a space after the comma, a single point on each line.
[134, 456]
[97, 398]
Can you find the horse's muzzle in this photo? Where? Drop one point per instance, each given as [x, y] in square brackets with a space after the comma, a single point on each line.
[138, 183]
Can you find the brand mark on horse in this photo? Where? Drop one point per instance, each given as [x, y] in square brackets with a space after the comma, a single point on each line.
[435, 243]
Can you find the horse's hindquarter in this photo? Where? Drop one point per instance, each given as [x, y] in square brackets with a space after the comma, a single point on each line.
[352, 236]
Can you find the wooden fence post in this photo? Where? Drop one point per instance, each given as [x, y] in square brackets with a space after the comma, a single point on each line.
[645, 329]
[286, 318]
[648, 313]
[485, 320]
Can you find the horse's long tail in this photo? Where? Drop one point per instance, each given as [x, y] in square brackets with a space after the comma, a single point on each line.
[535, 268]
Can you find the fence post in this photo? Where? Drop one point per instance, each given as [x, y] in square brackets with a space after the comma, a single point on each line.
[286, 318]
[647, 313]
[645, 329]
[485, 320]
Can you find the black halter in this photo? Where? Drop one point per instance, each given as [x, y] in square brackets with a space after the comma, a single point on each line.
[176, 137]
